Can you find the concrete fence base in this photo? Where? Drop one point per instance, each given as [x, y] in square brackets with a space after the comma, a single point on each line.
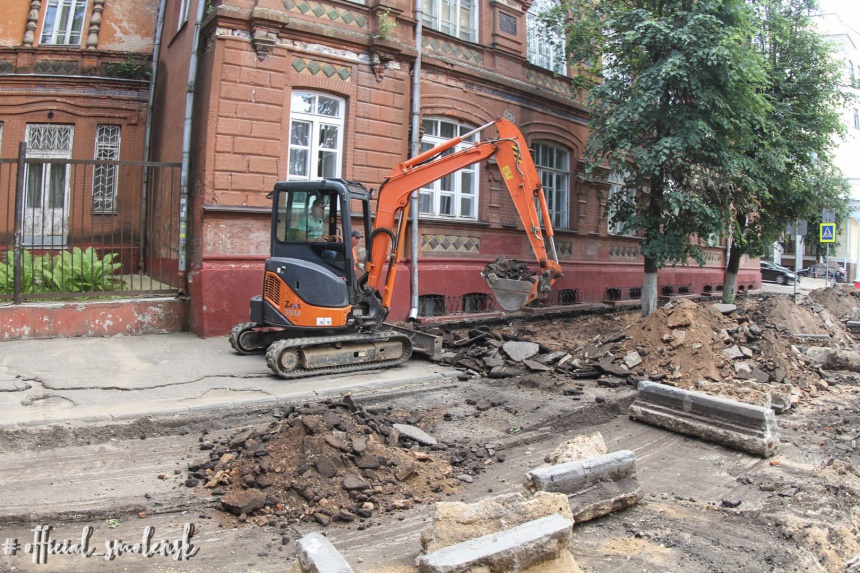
[595, 486]
[733, 424]
[512, 550]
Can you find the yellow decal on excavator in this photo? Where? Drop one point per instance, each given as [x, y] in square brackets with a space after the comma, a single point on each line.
[506, 172]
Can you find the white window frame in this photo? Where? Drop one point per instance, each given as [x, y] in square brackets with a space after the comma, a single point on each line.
[454, 196]
[544, 46]
[106, 177]
[553, 165]
[447, 16]
[319, 159]
[68, 33]
[616, 186]
[856, 118]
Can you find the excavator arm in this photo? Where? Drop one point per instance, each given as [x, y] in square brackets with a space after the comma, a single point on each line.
[523, 183]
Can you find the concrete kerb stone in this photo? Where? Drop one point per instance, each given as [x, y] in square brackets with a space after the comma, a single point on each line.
[595, 486]
[316, 554]
[514, 549]
[730, 423]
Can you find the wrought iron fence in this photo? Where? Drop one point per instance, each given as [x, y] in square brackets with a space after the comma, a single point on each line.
[479, 302]
[87, 228]
[623, 293]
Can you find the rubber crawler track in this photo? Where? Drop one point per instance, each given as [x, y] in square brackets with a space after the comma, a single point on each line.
[380, 336]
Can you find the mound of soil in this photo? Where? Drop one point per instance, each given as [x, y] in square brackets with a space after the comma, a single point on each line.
[328, 462]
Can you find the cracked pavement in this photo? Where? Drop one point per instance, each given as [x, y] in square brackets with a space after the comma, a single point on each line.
[45, 382]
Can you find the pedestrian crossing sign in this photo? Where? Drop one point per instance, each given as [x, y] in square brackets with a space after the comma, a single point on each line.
[827, 233]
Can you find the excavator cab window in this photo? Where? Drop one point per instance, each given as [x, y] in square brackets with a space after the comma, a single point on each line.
[311, 218]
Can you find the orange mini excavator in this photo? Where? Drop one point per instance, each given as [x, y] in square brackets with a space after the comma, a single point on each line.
[320, 312]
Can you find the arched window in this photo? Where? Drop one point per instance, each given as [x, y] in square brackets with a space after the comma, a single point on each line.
[553, 165]
[455, 195]
[618, 192]
[316, 137]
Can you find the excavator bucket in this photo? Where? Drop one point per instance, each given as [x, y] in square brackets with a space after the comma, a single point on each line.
[511, 281]
[510, 294]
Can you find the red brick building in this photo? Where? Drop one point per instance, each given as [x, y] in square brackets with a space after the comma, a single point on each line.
[300, 89]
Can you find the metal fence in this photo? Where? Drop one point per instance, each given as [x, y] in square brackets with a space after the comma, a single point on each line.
[479, 302]
[86, 228]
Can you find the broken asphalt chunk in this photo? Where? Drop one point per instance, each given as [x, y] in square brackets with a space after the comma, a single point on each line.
[416, 434]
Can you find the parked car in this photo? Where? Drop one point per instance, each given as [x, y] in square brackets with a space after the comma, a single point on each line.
[820, 270]
[771, 272]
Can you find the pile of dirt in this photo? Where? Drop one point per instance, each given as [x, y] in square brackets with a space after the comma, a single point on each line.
[752, 351]
[333, 461]
[504, 268]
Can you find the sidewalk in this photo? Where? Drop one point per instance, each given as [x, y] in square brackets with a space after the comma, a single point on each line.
[92, 380]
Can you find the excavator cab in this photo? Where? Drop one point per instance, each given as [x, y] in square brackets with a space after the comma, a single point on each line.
[310, 281]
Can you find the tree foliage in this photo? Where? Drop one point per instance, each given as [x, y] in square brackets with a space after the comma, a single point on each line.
[793, 151]
[674, 92]
[719, 113]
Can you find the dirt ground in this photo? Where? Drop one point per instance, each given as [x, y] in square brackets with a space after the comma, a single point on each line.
[343, 467]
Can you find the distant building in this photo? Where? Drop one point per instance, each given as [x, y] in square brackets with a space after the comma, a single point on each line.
[847, 41]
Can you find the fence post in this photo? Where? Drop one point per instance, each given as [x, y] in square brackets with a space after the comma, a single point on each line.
[18, 243]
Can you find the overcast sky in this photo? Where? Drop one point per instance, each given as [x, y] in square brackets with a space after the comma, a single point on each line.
[848, 10]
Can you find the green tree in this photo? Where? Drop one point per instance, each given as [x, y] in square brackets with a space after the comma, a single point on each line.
[675, 93]
[795, 177]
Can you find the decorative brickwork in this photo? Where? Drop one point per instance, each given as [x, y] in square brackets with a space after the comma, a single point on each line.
[564, 250]
[450, 244]
[328, 12]
[313, 67]
[554, 84]
[624, 251]
[6, 67]
[55, 68]
[452, 49]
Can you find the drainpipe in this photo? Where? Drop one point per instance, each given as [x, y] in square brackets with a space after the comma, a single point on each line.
[186, 146]
[147, 138]
[416, 149]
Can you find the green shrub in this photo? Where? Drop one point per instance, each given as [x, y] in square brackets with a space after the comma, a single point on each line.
[70, 271]
[32, 272]
[82, 271]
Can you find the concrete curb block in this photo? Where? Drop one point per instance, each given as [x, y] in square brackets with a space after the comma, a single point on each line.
[512, 550]
[733, 424]
[594, 486]
[317, 555]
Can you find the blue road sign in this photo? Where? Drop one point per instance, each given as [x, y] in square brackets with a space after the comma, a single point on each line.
[827, 233]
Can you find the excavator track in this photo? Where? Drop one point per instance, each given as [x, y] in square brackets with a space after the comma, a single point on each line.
[288, 358]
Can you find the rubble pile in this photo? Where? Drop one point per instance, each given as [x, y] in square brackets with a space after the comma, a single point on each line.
[333, 461]
[754, 351]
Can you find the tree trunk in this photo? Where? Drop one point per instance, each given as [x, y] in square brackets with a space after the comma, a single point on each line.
[730, 282]
[649, 288]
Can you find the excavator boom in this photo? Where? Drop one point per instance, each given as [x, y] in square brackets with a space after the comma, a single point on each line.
[523, 182]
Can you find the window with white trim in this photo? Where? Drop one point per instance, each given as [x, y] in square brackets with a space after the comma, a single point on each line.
[64, 22]
[553, 165]
[316, 137]
[458, 18]
[544, 45]
[617, 188]
[105, 176]
[455, 195]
